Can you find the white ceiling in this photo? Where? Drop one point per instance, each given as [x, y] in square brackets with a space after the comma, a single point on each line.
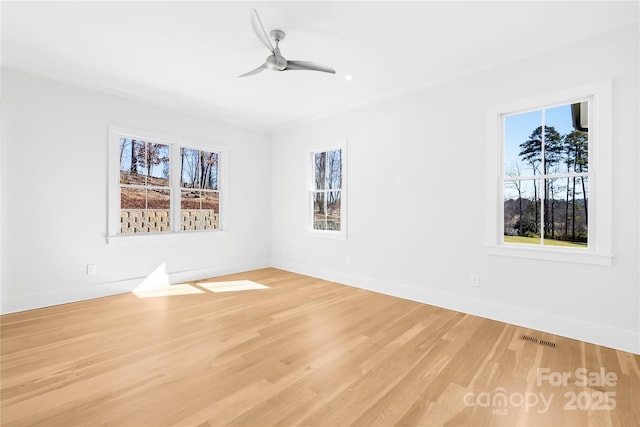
[188, 54]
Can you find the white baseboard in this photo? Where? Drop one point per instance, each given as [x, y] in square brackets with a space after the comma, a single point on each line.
[620, 339]
[583, 330]
[12, 304]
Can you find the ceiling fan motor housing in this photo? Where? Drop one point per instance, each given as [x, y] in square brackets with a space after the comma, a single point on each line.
[277, 35]
[277, 63]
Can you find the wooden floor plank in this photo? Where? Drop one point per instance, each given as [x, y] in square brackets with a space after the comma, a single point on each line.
[304, 351]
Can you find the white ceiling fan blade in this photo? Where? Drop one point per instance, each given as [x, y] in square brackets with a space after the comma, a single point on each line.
[256, 71]
[308, 65]
[258, 28]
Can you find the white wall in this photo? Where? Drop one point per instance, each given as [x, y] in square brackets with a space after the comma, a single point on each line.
[419, 235]
[54, 166]
[417, 191]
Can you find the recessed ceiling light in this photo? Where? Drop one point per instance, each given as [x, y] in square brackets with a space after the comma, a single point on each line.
[348, 77]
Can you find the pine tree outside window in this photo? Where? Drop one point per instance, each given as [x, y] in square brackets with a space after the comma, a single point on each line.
[549, 176]
[546, 176]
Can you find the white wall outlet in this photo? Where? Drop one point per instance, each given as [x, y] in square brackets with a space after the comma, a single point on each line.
[348, 259]
[475, 280]
[92, 269]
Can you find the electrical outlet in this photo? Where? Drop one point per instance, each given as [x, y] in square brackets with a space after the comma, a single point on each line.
[92, 269]
[348, 259]
[475, 280]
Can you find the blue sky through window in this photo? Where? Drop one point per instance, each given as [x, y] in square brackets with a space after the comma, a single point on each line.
[519, 127]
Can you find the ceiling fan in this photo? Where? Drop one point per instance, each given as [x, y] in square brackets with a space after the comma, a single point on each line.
[276, 61]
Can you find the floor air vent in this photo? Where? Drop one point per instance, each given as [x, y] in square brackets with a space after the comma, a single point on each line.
[537, 341]
[530, 339]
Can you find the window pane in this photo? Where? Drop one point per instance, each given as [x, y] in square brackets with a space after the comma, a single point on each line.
[190, 199]
[189, 167]
[571, 211]
[132, 220]
[125, 154]
[560, 118]
[158, 199]
[557, 125]
[210, 210]
[334, 170]
[133, 198]
[522, 211]
[555, 189]
[157, 164]
[133, 210]
[190, 212]
[144, 211]
[199, 210]
[210, 172]
[319, 211]
[576, 152]
[158, 210]
[327, 173]
[320, 171]
[522, 144]
[333, 210]
[190, 220]
[198, 169]
[210, 200]
[132, 154]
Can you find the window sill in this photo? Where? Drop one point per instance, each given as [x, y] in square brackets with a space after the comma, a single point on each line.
[580, 256]
[332, 235]
[152, 238]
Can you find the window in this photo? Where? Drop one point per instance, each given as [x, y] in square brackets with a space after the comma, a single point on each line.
[145, 193]
[546, 176]
[327, 192]
[199, 193]
[551, 156]
[162, 186]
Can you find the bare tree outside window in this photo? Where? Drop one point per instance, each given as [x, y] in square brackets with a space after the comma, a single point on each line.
[327, 190]
[147, 192]
[199, 194]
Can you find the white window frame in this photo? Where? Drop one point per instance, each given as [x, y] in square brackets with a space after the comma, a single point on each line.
[327, 234]
[600, 228]
[114, 236]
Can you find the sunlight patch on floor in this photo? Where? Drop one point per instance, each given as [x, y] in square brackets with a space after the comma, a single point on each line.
[233, 286]
[182, 289]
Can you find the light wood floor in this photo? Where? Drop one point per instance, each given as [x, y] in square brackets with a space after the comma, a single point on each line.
[303, 352]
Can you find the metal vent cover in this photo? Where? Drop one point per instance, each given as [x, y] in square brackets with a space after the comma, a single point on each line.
[537, 341]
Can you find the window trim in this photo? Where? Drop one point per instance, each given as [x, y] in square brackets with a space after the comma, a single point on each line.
[309, 230]
[113, 218]
[599, 251]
